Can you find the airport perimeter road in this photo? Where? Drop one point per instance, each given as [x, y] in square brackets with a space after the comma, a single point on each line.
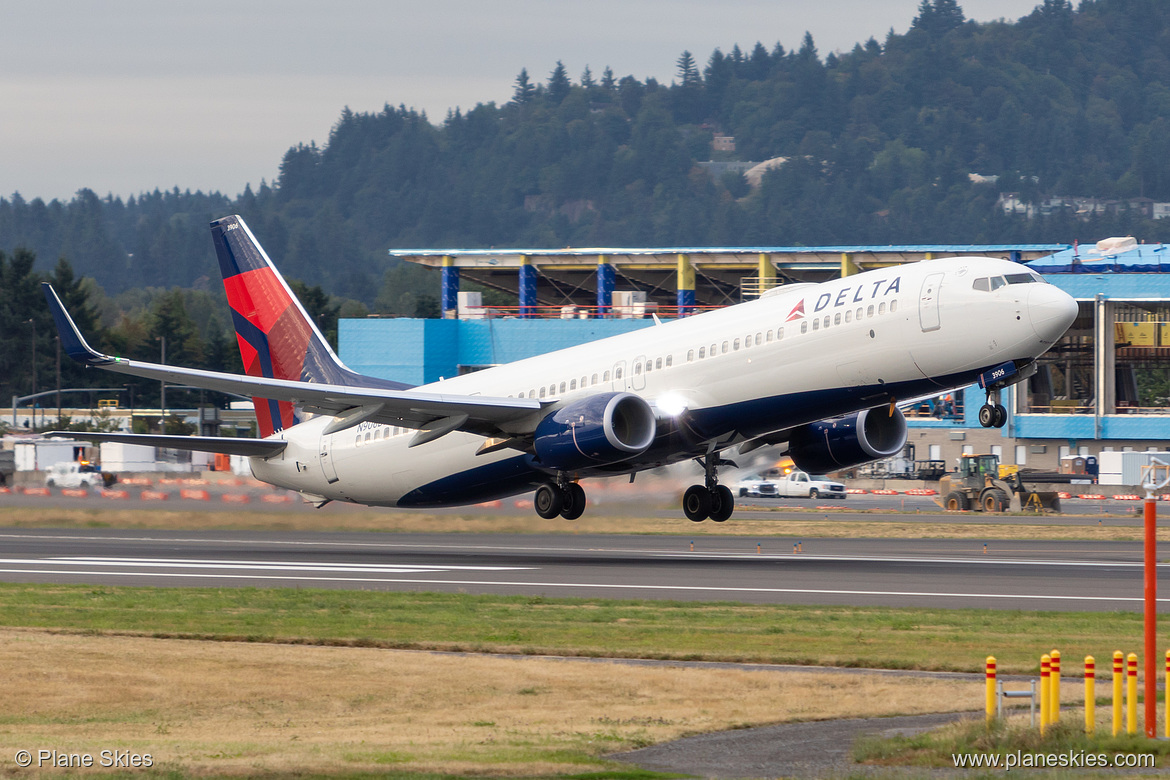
[934, 573]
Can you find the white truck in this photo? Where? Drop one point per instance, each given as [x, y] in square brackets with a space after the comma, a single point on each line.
[72, 474]
[795, 484]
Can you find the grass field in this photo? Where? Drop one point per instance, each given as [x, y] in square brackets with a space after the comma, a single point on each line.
[864, 637]
[273, 682]
[800, 523]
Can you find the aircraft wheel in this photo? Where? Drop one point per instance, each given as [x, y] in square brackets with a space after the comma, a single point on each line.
[574, 497]
[548, 501]
[697, 503]
[1000, 416]
[956, 501]
[722, 503]
[987, 416]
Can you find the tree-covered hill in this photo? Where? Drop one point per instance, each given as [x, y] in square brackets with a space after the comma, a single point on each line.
[878, 144]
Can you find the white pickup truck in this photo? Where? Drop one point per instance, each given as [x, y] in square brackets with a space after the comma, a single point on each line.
[796, 484]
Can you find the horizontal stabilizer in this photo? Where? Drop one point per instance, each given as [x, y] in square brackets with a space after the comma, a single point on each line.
[258, 448]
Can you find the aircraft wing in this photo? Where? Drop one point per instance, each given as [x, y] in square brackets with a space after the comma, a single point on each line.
[261, 448]
[435, 414]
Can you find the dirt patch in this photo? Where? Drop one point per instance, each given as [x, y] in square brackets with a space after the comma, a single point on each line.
[250, 708]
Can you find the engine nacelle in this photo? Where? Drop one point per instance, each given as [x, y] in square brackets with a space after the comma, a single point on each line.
[595, 431]
[821, 447]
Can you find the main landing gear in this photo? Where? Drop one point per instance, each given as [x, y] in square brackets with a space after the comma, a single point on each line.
[562, 497]
[992, 414]
[709, 499]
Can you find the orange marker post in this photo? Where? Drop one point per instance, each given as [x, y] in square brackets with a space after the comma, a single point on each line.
[1090, 695]
[1045, 691]
[1054, 688]
[990, 702]
[1131, 693]
[1118, 671]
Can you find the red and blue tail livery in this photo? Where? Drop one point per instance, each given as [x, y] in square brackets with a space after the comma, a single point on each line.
[277, 338]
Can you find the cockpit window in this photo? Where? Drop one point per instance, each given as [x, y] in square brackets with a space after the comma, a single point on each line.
[1021, 279]
[983, 285]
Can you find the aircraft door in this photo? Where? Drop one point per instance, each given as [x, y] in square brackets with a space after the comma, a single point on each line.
[928, 302]
[638, 373]
[327, 466]
[618, 376]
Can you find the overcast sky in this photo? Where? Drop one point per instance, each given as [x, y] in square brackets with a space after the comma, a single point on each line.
[123, 96]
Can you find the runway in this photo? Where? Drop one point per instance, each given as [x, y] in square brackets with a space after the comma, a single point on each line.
[1102, 576]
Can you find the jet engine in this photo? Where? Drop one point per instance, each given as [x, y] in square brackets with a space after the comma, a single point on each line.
[595, 431]
[821, 447]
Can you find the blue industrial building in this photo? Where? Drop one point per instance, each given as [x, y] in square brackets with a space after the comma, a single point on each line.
[1082, 401]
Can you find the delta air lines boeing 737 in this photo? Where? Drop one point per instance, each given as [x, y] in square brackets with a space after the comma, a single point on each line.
[817, 368]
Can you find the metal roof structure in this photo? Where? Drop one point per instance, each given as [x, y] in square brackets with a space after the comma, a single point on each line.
[569, 276]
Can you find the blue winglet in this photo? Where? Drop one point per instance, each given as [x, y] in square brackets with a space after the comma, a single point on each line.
[71, 339]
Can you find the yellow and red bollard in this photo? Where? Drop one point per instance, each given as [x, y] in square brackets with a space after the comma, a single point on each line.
[1091, 693]
[990, 698]
[1118, 673]
[1054, 688]
[1131, 693]
[1045, 691]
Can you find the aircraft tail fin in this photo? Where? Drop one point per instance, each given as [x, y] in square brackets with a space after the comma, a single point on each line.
[277, 338]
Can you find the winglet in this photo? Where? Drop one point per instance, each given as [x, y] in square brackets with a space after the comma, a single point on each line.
[71, 339]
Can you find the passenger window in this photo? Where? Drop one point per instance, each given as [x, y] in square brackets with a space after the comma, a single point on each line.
[649, 366]
[893, 306]
[848, 315]
[860, 312]
[837, 318]
[690, 356]
[714, 350]
[367, 436]
[869, 311]
[759, 339]
[606, 376]
[669, 360]
[617, 374]
[573, 385]
[725, 347]
[542, 391]
[532, 394]
[735, 345]
[882, 308]
[357, 440]
[982, 285]
[595, 378]
[702, 352]
[552, 389]
[768, 337]
[779, 334]
[637, 368]
[816, 325]
[562, 387]
[804, 327]
[658, 362]
[826, 320]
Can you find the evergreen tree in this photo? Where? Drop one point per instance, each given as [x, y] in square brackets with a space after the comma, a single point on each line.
[558, 84]
[524, 91]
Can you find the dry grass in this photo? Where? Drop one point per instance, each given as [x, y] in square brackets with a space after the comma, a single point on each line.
[832, 524]
[240, 709]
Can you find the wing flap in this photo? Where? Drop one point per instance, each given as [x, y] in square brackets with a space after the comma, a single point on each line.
[408, 408]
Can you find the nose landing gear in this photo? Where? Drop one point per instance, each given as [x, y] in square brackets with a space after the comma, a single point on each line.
[709, 499]
[992, 414]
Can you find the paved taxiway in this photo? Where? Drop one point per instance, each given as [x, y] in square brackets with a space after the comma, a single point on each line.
[919, 573]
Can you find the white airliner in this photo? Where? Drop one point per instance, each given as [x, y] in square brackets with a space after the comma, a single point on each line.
[819, 368]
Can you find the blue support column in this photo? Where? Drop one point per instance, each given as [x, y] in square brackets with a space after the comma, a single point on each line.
[527, 288]
[449, 294]
[606, 279]
[686, 286]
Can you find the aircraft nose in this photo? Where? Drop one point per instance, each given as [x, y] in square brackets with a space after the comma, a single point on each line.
[1051, 311]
